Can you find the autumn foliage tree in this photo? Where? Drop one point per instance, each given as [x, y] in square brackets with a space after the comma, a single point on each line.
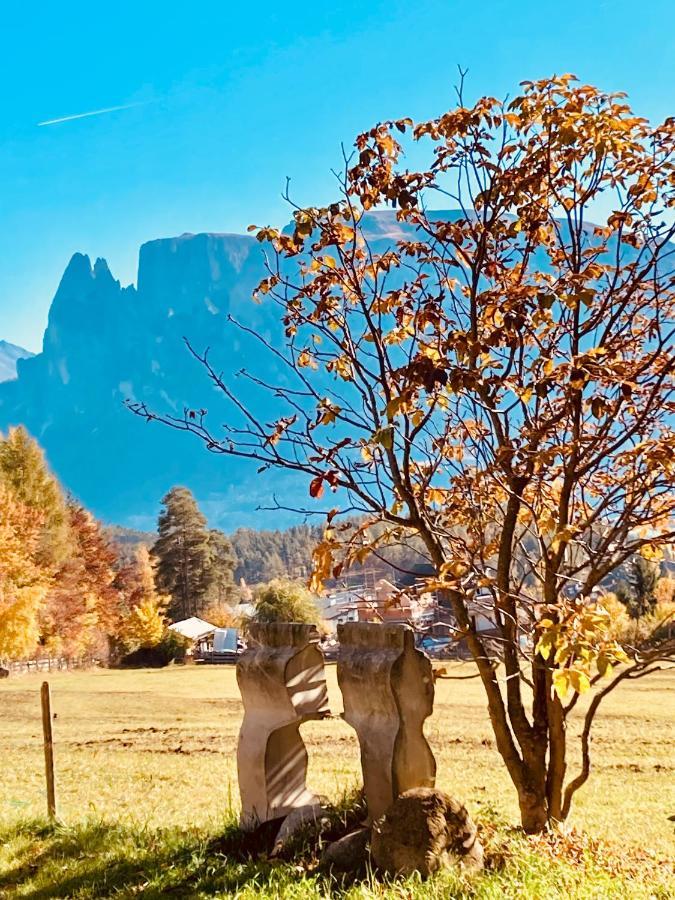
[25, 472]
[23, 585]
[82, 607]
[58, 568]
[142, 614]
[498, 382]
[281, 600]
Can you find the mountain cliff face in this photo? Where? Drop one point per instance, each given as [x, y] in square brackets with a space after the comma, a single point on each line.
[9, 355]
[105, 343]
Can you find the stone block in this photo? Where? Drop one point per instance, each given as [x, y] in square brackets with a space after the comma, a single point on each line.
[388, 691]
[283, 684]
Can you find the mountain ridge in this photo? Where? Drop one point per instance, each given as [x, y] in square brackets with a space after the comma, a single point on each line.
[105, 343]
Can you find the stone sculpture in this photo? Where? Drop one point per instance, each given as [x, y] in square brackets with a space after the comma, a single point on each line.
[388, 691]
[282, 682]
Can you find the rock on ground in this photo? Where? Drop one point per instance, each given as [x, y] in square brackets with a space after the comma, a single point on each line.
[348, 853]
[295, 821]
[425, 830]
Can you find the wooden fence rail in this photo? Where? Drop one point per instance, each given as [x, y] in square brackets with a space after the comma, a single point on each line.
[47, 664]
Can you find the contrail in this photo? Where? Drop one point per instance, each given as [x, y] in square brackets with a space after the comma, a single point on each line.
[96, 112]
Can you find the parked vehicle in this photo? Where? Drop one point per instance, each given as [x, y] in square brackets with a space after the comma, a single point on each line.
[436, 647]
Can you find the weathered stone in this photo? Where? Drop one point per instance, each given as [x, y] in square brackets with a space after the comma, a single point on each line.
[348, 853]
[388, 691]
[425, 830]
[282, 682]
[303, 816]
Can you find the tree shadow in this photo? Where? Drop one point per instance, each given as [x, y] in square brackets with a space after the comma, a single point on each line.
[97, 857]
[100, 859]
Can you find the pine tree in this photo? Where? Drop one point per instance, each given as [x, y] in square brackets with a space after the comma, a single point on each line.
[636, 590]
[221, 587]
[183, 553]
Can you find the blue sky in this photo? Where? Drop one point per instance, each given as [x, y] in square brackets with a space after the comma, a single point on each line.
[234, 97]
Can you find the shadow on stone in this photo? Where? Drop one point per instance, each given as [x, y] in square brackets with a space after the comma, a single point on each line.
[388, 691]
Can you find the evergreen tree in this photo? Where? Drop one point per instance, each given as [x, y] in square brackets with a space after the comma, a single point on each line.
[637, 588]
[183, 552]
[221, 587]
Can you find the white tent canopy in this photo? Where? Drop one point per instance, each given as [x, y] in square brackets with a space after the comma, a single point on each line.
[193, 628]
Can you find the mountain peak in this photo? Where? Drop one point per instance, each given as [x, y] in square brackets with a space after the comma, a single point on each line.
[77, 269]
[105, 343]
[10, 354]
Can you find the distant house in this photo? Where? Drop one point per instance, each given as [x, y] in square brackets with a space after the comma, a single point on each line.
[383, 603]
[225, 646]
[208, 643]
[198, 632]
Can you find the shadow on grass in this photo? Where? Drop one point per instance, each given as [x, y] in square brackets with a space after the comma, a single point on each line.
[94, 859]
[99, 859]
[102, 860]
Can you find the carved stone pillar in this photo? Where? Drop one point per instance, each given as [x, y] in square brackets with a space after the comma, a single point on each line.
[388, 692]
[282, 682]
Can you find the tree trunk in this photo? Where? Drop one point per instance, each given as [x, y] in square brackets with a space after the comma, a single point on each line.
[533, 809]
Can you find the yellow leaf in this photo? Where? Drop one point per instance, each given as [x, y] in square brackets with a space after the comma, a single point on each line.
[306, 360]
[579, 680]
[562, 537]
[561, 682]
[384, 437]
[651, 552]
[544, 646]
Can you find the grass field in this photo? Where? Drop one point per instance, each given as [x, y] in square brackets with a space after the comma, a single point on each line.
[146, 773]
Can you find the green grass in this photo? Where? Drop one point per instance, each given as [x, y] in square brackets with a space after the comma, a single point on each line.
[146, 775]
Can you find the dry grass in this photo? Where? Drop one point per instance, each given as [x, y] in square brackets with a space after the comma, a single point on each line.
[157, 747]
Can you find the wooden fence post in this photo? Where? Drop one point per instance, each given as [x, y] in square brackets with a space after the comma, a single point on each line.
[45, 698]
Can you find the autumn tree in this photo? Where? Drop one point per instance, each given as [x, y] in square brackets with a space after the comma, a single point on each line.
[23, 584]
[222, 615]
[25, 471]
[81, 611]
[497, 380]
[142, 607]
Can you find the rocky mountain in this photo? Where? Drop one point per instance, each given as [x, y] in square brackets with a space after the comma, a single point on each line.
[105, 343]
[9, 355]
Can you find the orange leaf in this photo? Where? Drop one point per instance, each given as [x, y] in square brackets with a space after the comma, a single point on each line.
[316, 487]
